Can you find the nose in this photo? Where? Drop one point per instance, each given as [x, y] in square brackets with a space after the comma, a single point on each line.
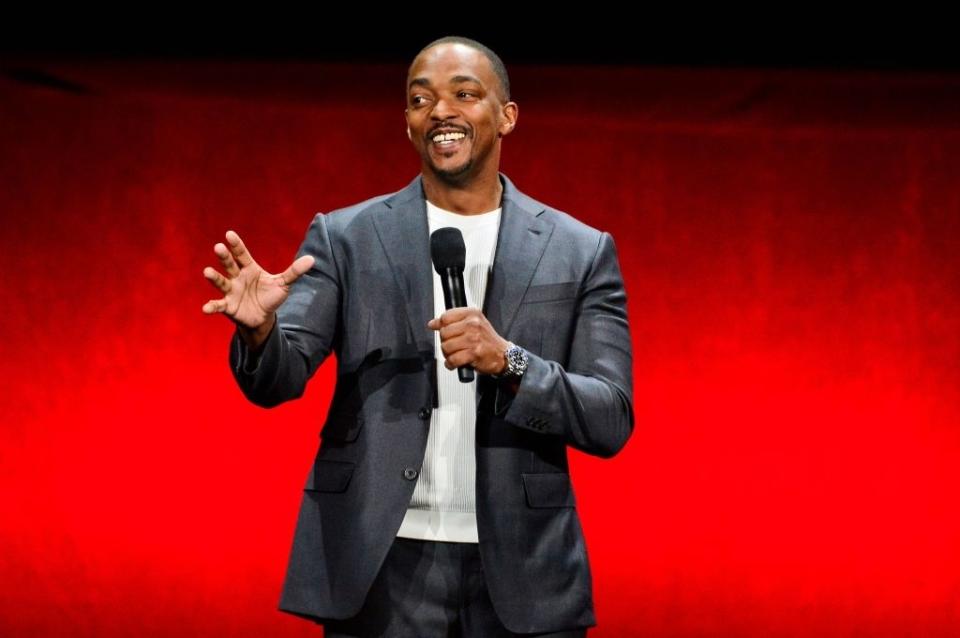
[443, 109]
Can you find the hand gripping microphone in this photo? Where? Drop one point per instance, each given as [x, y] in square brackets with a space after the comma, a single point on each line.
[449, 256]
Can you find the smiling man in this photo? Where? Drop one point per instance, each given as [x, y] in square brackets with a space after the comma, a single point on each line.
[436, 507]
[458, 109]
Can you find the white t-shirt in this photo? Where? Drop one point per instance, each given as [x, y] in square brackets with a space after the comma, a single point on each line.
[443, 506]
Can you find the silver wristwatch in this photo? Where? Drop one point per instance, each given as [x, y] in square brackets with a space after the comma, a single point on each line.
[516, 358]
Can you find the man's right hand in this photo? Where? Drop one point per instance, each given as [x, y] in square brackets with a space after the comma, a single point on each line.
[251, 294]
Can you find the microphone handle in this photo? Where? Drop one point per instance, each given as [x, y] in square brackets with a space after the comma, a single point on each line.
[455, 297]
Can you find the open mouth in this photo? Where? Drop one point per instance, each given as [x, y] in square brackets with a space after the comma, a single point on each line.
[447, 139]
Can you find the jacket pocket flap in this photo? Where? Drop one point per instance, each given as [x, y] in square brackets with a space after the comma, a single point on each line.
[329, 476]
[551, 292]
[548, 490]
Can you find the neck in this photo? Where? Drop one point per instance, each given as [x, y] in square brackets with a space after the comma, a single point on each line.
[480, 195]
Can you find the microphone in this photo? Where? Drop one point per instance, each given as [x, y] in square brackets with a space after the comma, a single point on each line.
[449, 255]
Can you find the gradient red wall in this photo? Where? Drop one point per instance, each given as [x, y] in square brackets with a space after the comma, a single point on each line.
[791, 248]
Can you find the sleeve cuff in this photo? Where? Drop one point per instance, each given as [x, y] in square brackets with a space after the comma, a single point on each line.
[517, 404]
[248, 363]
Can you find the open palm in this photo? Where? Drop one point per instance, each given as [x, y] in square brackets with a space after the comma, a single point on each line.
[250, 294]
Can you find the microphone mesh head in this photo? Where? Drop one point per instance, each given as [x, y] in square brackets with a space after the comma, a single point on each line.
[447, 249]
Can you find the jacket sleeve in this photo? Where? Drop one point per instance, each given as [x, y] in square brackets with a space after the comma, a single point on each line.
[589, 403]
[306, 331]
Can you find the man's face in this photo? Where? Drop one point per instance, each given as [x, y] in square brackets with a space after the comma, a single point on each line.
[455, 113]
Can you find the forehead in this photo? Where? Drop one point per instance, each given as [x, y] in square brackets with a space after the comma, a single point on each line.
[449, 62]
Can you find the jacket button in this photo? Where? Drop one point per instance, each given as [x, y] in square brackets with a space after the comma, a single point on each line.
[409, 474]
[424, 414]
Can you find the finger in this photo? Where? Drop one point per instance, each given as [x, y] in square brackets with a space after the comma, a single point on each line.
[296, 269]
[471, 324]
[455, 314]
[462, 342]
[218, 280]
[434, 324]
[239, 250]
[458, 359]
[214, 306]
[447, 349]
[453, 330]
[226, 260]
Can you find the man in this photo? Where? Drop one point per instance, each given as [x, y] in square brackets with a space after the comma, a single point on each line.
[436, 507]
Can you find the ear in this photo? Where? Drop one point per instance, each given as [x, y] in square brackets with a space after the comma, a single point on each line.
[508, 119]
[409, 134]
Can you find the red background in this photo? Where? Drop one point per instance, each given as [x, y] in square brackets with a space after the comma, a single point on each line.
[791, 248]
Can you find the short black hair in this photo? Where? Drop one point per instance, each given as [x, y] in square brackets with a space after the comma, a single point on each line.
[499, 69]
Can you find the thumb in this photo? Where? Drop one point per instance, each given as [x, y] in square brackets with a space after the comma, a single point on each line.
[297, 268]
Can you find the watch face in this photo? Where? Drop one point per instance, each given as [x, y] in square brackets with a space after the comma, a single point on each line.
[516, 361]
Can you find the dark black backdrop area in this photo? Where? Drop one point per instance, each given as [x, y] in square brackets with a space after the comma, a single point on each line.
[784, 37]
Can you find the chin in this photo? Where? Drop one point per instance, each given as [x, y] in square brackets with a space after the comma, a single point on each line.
[453, 173]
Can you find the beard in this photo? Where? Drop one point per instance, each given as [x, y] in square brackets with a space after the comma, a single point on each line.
[455, 175]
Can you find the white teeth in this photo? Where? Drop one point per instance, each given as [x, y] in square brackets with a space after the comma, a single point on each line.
[447, 137]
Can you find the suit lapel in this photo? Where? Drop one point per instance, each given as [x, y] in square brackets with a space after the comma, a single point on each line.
[522, 238]
[405, 237]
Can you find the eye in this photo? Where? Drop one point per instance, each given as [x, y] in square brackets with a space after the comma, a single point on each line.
[466, 95]
[417, 100]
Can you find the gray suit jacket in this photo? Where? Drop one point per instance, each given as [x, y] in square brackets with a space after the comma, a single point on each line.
[555, 290]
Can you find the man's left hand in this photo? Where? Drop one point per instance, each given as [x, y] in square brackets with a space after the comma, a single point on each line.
[467, 338]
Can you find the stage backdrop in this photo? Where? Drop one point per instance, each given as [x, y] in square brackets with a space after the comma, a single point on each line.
[791, 248]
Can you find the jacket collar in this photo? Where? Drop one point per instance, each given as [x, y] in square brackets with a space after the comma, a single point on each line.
[404, 234]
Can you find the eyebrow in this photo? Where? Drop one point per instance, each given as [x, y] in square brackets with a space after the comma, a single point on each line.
[457, 79]
[460, 79]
